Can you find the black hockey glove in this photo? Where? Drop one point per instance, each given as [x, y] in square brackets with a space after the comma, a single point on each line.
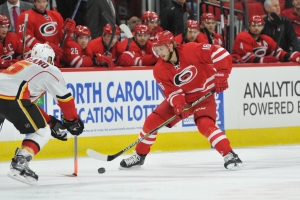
[56, 129]
[75, 126]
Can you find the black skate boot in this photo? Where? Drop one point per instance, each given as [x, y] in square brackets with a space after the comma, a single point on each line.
[232, 161]
[20, 171]
[136, 160]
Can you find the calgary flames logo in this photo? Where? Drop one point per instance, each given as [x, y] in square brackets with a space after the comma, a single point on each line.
[185, 76]
[48, 29]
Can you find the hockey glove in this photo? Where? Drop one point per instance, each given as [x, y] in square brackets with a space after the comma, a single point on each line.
[57, 50]
[295, 57]
[70, 26]
[179, 107]
[75, 126]
[221, 80]
[236, 58]
[269, 59]
[56, 129]
[6, 63]
[126, 59]
[99, 59]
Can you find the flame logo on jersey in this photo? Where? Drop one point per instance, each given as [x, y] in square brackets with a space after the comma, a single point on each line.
[185, 76]
[48, 29]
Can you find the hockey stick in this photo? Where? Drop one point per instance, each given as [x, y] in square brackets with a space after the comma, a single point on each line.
[185, 27]
[73, 16]
[99, 156]
[126, 30]
[206, 31]
[222, 22]
[113, 27]
[279, 28]
[24, 36]
[295, 22]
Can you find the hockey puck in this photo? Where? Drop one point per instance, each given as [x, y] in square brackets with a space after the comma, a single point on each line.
[101, 170]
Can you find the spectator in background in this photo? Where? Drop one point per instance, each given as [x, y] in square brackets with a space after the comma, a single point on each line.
[255, 47]
[151, 19]
[12, 9]
[139, 51]
[99, 45]
[288, 41]
[294, 15]
[133, 22]
[192, 33]
[45, 26]
[208, 25]
[172, 17]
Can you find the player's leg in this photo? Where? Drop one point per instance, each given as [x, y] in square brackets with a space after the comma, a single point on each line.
[161, 114]
[205, 117]
[27, 118]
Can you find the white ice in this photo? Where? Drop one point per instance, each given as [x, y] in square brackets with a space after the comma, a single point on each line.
[271, 172]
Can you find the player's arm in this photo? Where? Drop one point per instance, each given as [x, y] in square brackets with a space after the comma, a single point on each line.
[72, 57]
[282, 55]
[244, 49]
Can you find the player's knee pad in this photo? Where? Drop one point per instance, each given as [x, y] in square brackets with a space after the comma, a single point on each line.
[152, 121]
[204, 123]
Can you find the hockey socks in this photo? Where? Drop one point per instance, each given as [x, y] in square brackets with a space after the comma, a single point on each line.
[216, 137]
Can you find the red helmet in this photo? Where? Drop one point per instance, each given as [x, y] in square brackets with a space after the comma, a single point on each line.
[4, 20]
[141, 29]
[207, 17]
[256, 19]
[149, 15]
[163, 38]
[82, 30]
[193, 24]
[108, 30]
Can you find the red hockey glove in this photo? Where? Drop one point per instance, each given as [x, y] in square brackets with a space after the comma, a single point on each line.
[126, 59]
[236, 58]
[70, 26]
[179, 109]
[295, 57]
[6, 63]
[269, 59]
[221, 80]
[57, 50]
[104, 59]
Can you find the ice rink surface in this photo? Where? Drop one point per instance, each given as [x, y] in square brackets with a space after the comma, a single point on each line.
[270, 172]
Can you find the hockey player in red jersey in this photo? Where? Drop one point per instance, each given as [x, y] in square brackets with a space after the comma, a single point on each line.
[185, 74]
[44, 26]
[208, 22]
[11, 46]
[100, 44]
[76, 52]
[151, 19]
[254, 47]
[192, 34]
[22, 84]
[137, 51]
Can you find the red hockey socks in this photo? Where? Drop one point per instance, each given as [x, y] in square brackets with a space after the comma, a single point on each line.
[151, 122]
[216, 137]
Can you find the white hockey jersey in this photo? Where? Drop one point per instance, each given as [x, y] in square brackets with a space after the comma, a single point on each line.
[31, 79]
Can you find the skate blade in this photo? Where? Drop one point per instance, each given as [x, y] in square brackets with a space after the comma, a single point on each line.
[235, 167]
[15, 174]
[136, 167]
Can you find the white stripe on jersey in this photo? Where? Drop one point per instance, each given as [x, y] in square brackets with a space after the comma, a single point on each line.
[79, 63]
[74, 60]
[204, 85]
[221, 57]
[215, 53]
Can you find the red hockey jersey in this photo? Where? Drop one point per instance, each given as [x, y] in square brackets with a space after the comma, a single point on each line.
[75, 56]
[144, 56]
[192, 77]
[294, 17]
[199, 39]
[217, 39]
[154, 32]
[251, 50]
[41, 27]
[97, 46]
[13, 47]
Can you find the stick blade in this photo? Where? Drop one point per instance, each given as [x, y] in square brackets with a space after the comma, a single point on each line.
[126, 30]
[97, 155]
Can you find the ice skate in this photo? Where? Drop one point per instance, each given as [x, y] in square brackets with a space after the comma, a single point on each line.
[232, 161]
[134, 161]
[20, 171]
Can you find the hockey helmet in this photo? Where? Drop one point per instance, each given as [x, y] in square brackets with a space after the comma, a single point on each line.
[4, 20]
[207, 17]
[256, 19]
[141, 29]
[43, 52]
[149, 15]
[82, 30]
[193, 24]
[108, 30]
[163, 38]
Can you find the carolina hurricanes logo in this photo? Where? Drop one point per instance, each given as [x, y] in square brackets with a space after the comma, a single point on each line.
[48, 29]
[260, 51]
[185, 76]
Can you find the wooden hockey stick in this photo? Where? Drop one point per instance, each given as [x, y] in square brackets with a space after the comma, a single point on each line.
[113, 27]
[73, 16]
[99, 156]
[24, 35]
[185, 26]
[280, 28]
[126, 30]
